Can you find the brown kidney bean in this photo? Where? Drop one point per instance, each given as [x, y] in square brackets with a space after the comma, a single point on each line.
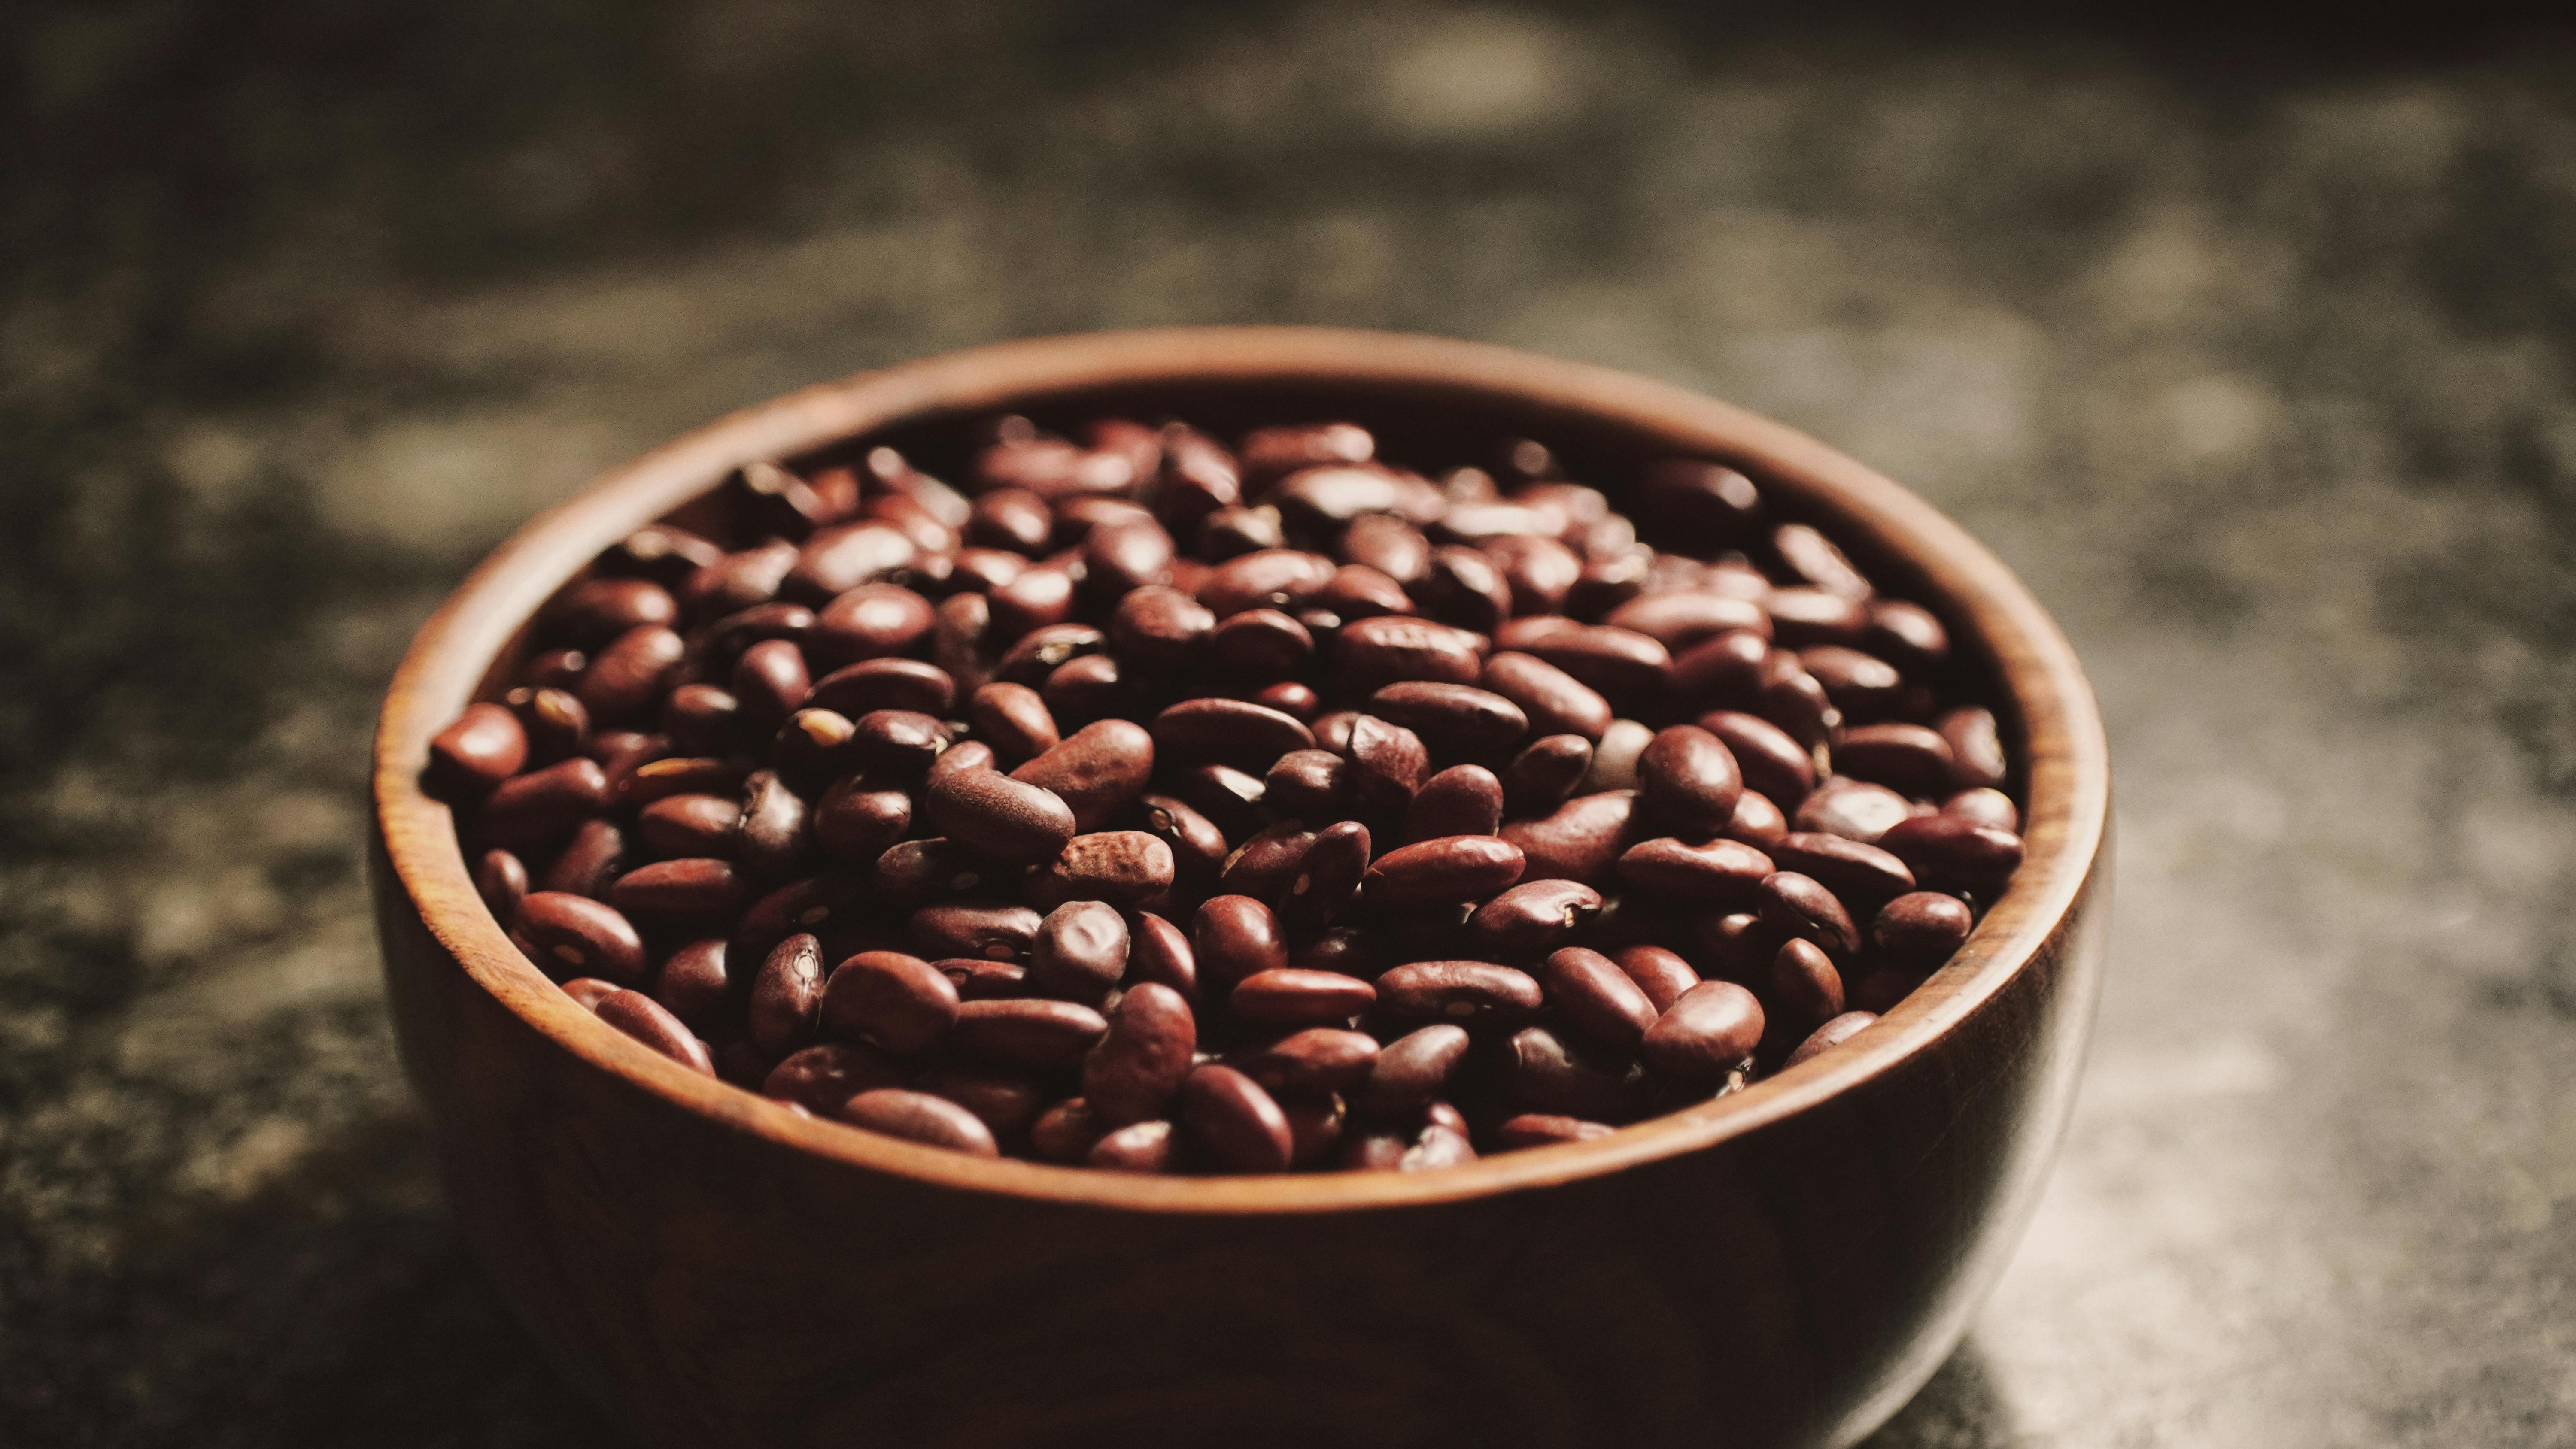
[772, 827]
[999, 817]
[694, 983]
[1579, 840]
[501, 878]
[1359, 592]
[1596, 997]
[1080, 950]
[1460, 800]
[1316, 1059]
[643, 1019]
[1042, 651]
[1531, 919]
[981, 980]
[1555, 702]
[1263, 865]
[1908, 758]
[1135, 1072]
[1614, 759]
[1661, 974]
[1158, 951]
[900, 1002]
[1862, 687]
[1480, 992]
[1237, 1124]
[1797, 905]
[1705, 1037]
[1986, 807]
[1813, 559]
[1976, 748]
[1369, 654]
[770, 682]
[1235, 937]
[1261, 644]
[1622, 665]
[1805, 616]
[1066, 1132]
[1454, 718]
[484, 748]
[1096, 771]
[1145, 1147]
[919, 1117]
[1125, 868]
[1687, 778]
[1805, 985]
[1680, 619]
[1013, 720]
[1270, 578]
[696, 888]
[1830, 1035]
[1387, 765]
[1228, 731]
[898, 741]
[628, 675]
[1451, 868]
[1006, 1102]
[1306, 784]
[854, 823]
[1160, 628]
[787, 995]
[568, 935]
[543, 806]
[661, 779]
[1758, 822]
[1287, 996]
[700, 718]
[1952, 851]
[1027, 1032]
[1387, 544]
[590, 863]
[1846, 867]
[1545, 1073]
[994, 933]
[1330, 873]
[1852, 809]
[1231, 800]
[1412, 1070]
[821, 1078]
[593, 611]
[1540, 778]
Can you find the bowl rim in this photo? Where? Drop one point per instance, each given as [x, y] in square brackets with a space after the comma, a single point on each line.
[2067, 754]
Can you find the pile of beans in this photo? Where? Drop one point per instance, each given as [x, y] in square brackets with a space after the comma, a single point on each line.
[1170, 807]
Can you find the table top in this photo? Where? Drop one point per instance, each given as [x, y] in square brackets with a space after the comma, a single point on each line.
[2260, 377]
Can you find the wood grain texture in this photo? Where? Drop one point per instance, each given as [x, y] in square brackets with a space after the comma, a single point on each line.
[1784, 1266]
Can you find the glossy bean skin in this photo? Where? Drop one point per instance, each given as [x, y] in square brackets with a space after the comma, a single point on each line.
[1542, 777]
[1687, 778]
[1720, 872]
[1548, 1073]
[1805, 983]
[1705, 1036]
[1542, 1129]
[1234, 1121]
[1580, 840]
[1450, 868]
[1027, 1032]
[501, 878]
[1315, 1059]
[1852, 809]
[1976, 748]
[1830, 1035]
[696, 982]
[1479, 992]
[1952, 851]
[1289, 997]
[1846, 867]
[1096, 771]
[568, 935]
[820, 1078]
[1533, 919]
[1796, 905]
[1770, 760]
[1142, 1147]
[1235, 937]
[919, 1117]
[900, 1002]
[787, 995]
[1001, 818]
[1596, 997]
[1660, 973]
[1135, 1072]
[471, 757]
[1080, 950]
[643, 1019]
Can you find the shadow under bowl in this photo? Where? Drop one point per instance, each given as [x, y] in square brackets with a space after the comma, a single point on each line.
[1781, 1266]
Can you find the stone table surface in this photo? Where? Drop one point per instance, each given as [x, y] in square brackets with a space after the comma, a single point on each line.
[2259, 372]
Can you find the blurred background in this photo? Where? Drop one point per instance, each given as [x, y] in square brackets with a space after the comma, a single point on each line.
[2250, 348]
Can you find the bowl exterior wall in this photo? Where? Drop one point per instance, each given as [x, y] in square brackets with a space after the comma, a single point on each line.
[708, 1286]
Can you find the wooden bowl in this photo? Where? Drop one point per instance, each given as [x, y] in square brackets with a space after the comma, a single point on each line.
[1785, 1265]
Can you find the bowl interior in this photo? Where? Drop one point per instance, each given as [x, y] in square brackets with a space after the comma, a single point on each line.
[1432, 404]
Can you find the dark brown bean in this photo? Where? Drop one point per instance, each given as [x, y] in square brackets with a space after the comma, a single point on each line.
[1231, 800]
[1624, 666]
[1066, 1132]
[1329, 875]
[485, 746]
[1234, 937]
[1096, 771]
[770, 682]
[701, 718]
[813, 748]
[1412, 1070]
[1160, 628]
[773, 827]
[1125, 868]
[1040, 652]
[589, 613]
[854, 822]
[1270, 578]
[1005, 1101]
[1705, 1037]
[1231, 533]
[695, 983]
[981, 980]
[1317, 1059]
[692, 889]
[821, 1078]
[501, 878]
[999, 817]
[1531, 919]
[1080, 950]
[1545, 1129]
[900, 1002]
[556, 723]
[1555, 702]
[1687, 778]
[1307, 784]
[1680, 619]
[898, 741]
[1450, 868]
[1457, 719]
[1287, 996]
[1437, 1146]
[1661, 974]
[1796, 905]
[1237, 1124]
[1464, 587]
[1197, 848]
[1976, 748]
[1769, 759]
[1815, 561]
[1228, 731]
[1863, 687]
[1954, 852]
[1579, 840]
[1261, 644]
[1387, 544]
[1387, 765]
[1460, 800]
[1803, 617]
[590, 863]
[1696, 505]
[1009, 518]
[1540, 778]
[1126, 555]
[1758, 822]
[1264, 864]
[1145, 1147]
[1370, 654]
[1027, 1032]
[1830, 1035]
[1805, 986]
[661, 779]
[919, 1117]
[569, 935]
[993, 933]
[643, 1019]
[543, 806]
[1847, 867]
[627, 676]
[1723, 672]
[1852, 809]
[1596, 997]
[1986, 807]
[1158, 951]
[787, 995]
[1477, 992]
[1907, 758]
[1013, 720]
[1359, 592]
[1136, 1070]
[1546, 1073]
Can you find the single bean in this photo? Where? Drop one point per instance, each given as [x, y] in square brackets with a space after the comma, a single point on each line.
[1066, 1132]
[1329, 875]
[854, 823]
[897, 741]
[1722, 672]
[502, 880]
[1041, 651]
[1758, 822]
[787, 995]
[1948, 851]
[695, 983]
[1614, 759]
[1863, 687]
[568, 935]
[1157, 627]
[920, 1117]
[1908, 758]
[1688, 778]
[1388, 763]
[643, 1019]
[1136, 1070]
[1546, 1073]
[1235, 1122]
[1005, 1101]
[1096, 771]
[1412, 1070]
[999, 816]
[1797, 905]
[1698, 505]
[485, 746]
[1158, 951]
[1270, 578]
[1261, 644]
[1662, 974]
[1460, 800]
[1458, 719]
[1369, 654]
[773, 828]
[993, 933]
[1264, 865]
[1579, 840]
[1450, 868]
[1704, 1038]
[1228, 731]
[1597, 998]
[1080, 950]
[1287, 996]
[1145, 1147]
[1555, 702]
[1478, 992]
[543, 806]
[1028, 1032]
[1830, 1035]
[820, 1078]
[627, 676]
[1531, 919]
[1126, 868]
[1387, 544]
[1976, 748]
[900, 1002]
[590, 863]
[977, 979]
[688, 825]
[1235, 937]
[590, 991]
[695, 888]
[1545, 1129]
[1316, 1059]
[1680, 619]
[1804, 616]
[1852, 809]
[1986, 807]
[1307, 784]
[1541, 777]
[1357, 591]
[1013, 720]
[1805, 986]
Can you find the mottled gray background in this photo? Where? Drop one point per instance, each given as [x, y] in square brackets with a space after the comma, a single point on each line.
[2252, 351]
